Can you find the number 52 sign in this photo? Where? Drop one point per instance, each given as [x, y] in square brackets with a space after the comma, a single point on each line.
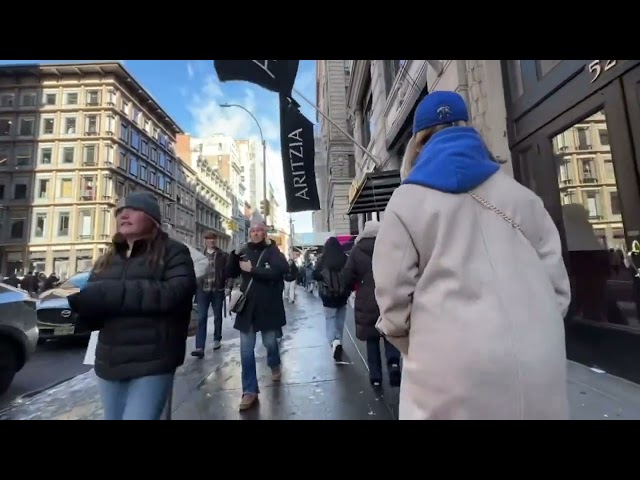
[597, 67]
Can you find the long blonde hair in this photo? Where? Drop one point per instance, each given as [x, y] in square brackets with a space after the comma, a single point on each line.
[420, 139]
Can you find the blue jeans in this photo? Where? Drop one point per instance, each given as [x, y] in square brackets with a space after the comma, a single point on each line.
[248, 357]
[335, 318]
[374, 359]
[142, 398]
[204, 299]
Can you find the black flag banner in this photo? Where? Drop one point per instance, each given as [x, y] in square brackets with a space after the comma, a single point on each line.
[298, 158]
[274, 75]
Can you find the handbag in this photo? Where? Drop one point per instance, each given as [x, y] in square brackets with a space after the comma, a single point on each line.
[238, 299]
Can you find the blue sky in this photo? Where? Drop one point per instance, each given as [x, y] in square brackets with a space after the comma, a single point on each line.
[190, 92]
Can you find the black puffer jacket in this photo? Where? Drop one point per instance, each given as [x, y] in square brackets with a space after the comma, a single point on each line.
[142, 312]
[358, 270]
[264, 309]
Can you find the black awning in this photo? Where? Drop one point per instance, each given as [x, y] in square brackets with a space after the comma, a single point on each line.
[374, 192]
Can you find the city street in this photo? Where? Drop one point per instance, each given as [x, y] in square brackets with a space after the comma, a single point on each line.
[52, 363]
[312, 387]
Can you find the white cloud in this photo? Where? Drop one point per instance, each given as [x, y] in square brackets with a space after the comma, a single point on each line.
[190, 70]
[210, 118]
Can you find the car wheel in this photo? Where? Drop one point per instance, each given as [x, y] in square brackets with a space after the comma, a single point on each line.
[8, 364]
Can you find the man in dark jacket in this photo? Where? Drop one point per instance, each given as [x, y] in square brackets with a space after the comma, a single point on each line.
[262, 267]
[211, 291]
[290, 281]
[358, 270]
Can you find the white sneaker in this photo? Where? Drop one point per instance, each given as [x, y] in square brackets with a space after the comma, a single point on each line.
[337, 350]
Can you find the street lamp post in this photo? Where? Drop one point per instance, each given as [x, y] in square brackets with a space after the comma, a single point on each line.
[264, 149]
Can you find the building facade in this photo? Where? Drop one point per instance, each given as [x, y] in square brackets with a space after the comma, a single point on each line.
[73, 140]
[213, 192]
[568, 130]
[337, 151]
[381, 99]
[185, 206]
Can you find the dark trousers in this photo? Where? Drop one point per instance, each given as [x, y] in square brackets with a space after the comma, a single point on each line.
[374, 358]
[204, 299]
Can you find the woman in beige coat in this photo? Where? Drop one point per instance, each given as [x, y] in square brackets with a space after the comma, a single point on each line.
[470, 280]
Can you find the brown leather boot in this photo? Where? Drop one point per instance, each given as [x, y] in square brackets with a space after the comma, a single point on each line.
[248, 401]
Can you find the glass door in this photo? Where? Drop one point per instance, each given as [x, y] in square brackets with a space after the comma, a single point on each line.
[590, 166]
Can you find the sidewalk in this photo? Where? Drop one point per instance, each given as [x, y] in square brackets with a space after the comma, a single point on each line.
[313, 387]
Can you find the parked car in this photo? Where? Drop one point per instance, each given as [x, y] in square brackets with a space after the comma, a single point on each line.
[18, 332]
[55, 318]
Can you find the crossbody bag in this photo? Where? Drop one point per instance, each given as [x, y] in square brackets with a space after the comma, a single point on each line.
[237, 298]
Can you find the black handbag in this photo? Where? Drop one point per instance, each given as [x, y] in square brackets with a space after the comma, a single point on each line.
[240, 303]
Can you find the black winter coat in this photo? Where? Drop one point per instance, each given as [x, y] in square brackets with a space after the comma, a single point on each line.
[264, 309]
[359, 270]
[142, 312]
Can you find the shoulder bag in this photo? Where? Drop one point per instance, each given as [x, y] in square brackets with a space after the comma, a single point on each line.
[237, 298]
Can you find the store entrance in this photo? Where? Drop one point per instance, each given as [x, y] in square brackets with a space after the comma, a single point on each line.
[585, 167]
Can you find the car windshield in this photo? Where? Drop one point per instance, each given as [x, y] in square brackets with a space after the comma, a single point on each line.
[79, 280]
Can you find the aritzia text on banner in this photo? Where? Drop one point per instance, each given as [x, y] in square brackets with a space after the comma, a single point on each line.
[274, 75]
[298, 158]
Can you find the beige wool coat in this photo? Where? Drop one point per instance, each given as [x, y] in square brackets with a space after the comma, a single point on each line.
[475, 307]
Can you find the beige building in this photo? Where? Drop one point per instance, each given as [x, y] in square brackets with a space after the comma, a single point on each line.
[73, 139]
[335, 172]
[213, 192]
[381, 99]
[185, 206]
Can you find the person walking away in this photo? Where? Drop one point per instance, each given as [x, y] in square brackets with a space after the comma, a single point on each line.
[290, 281]
[139, 295]
[212, 289]
[470, 280]
[333, 291]
[359, 271]
[262, 267]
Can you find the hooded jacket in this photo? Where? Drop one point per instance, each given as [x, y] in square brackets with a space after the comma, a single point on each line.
[359, 270]
[475, 305]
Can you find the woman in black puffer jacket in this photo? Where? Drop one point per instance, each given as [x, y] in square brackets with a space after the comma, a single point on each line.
[139, 296]
[358, 270]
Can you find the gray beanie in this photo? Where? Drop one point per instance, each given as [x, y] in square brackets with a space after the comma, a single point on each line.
[144, 201]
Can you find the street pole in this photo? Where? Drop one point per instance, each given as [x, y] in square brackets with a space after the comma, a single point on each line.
[264, 150]
[291, 235]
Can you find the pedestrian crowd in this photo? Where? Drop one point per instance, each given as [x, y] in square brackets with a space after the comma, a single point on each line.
[460, 291]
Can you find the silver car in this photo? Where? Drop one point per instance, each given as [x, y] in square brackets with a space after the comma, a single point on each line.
[18, 332]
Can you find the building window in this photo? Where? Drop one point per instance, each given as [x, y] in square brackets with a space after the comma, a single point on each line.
[50, 99]
[367, 121]
[20, 191]
[40, 225]
[85, 229]
[122, 160]
[46, 155]
[5, 127]
[70, 125]
[64, 220]
[65, 188]
[23, 156]
[27, 127]
[143, 172]
[93, 98]
[68, 155]
[124, 132]
[603, 133]
[87, 188]
[28, 100]
[71, 98]
[90, 156]
[17, 228]
[48, 126]
[133, 165]
[615, 203]
[43, 188]
[91, 125]
[7, 100]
